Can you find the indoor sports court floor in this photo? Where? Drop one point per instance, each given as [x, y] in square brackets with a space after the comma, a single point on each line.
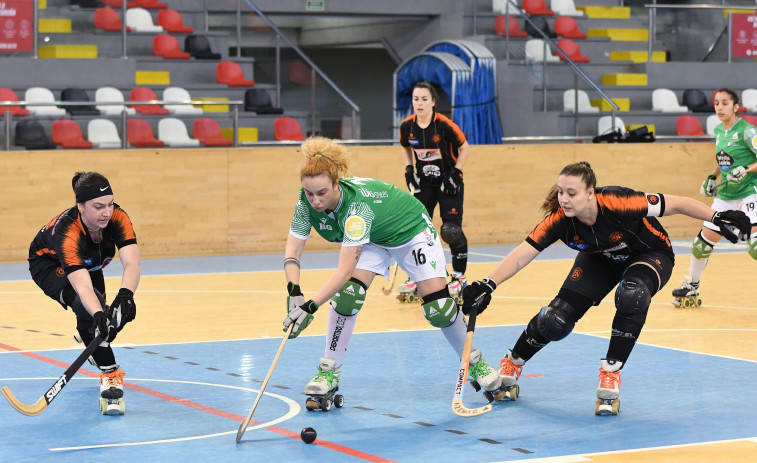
[207, 330]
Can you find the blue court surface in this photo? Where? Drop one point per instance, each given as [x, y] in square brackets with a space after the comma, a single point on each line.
[186, 401]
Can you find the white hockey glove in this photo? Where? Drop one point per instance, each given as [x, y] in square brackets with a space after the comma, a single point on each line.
[737, 174]
[708, 186]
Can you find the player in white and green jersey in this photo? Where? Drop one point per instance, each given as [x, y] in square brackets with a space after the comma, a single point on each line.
[374, 222]
[736, 156]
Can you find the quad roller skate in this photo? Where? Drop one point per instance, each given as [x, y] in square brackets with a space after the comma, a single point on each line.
[457, 282]
[322, 390]
[608, 391]
[112, 392]
[510, 368]
[408, 292]
[481, 375]
[687, 295]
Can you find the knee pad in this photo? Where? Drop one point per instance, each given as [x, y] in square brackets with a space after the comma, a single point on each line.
[349, 300]
[78, 308]
[451, 233]
[555, 321]
[701, 248]
[440, 309]
[633, 295]
[751, 246]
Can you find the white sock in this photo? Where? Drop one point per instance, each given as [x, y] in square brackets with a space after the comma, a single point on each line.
[338, 333]
[696, 268]
[455, 334]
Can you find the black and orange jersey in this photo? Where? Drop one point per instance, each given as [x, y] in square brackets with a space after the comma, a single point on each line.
[626, 226]
[66, 241]
[435, 147]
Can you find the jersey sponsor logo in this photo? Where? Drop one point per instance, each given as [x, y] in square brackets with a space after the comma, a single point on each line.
[354, 227]
[436, 138]
[429, 237]
[653, 199]
[433, 154]
[578, 244]
[413, 142]
[576, 274]
[373, 194]
[432, 171]
[59, 272]
[323, 226]
[615, 237]
[725, 161]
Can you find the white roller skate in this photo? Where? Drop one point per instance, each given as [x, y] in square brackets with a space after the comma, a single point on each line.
[408, 292]
[510, 368]
[321, 391]
[687, 295]
[457, 282]
[482, 375]
[112, 392]
[608, 391]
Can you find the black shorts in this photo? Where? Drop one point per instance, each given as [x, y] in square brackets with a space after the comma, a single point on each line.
[51, 278]
[450, 207]
[594, 276]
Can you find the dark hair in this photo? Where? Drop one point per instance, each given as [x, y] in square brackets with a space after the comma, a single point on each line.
[732, 93]
[428, 86]
[82, 179]
[580, 169]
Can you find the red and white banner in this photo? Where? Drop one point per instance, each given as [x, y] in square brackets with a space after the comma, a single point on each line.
[744, 35]
[17, 26]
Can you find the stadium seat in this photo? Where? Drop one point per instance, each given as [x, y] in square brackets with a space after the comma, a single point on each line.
[504, 23]
[230, 73]
[151, 4]
[567, 27]
[565, 8]
[146, 94]
[752, 119]
[167, 46]
[299, 73]
[31, 135]
[287, 128]
[572, 51]
[42, 95]
[537, 8]
[67, 134]
[79, 95]
[110, 96]
[140, 20]
[503, 6]
[258, 100]
[665, 100]
[103, 134]
[119, 3]
[686, 124]
[179, 94]
[604, 125]
[584, 104]
[712, 122]
[140, 134]
[535, 52]
[541, 24]
[86, 3]
[696, 101]
[174, 133]
[7, 94]
[208, 132]
[199, 47]
[170, 21]
[749, 100]
[108, 19]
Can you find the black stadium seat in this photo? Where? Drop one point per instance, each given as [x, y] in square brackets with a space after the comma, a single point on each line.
[77, 94]
[696, 101]
[199, 47]
[540, 23]
[31, 135]
[259, 101]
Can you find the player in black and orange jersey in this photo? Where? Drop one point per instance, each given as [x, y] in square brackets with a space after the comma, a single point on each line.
[440, 151]
[619, 242]
[66, 259]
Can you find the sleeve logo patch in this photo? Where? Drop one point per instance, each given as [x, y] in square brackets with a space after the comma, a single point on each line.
[653, 199]
[354, 227]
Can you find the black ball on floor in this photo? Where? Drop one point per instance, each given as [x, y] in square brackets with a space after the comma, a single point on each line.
[308, 435]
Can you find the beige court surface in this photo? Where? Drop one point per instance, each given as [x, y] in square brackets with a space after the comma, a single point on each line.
[214, 307]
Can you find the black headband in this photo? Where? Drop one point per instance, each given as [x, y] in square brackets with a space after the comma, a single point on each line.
[86, 193]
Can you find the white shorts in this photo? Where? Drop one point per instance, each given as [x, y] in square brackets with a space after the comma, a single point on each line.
[422, 258]
[747, 205]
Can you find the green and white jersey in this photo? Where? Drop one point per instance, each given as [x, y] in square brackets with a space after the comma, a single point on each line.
[369, 210]
[735, 147]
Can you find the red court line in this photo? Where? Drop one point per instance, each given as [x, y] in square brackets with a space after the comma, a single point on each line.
[214, 411]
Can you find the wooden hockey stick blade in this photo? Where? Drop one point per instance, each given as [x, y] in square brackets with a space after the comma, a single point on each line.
[40, 406]
[388, 291]
[246, 422]
[462, 375]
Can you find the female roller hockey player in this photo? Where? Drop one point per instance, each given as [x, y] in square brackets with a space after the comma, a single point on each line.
[620, 243]
[736, 157]
[66, 260]
[374, 222]
[440, 151]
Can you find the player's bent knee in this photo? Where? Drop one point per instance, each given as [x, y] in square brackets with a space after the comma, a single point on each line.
[439, 308]
[633, 295]
[701, 248]
[451, 233]
[350, 299]
[556, 320]
[81, 312]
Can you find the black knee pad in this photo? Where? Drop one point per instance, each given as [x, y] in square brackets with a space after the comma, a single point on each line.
[556, 320]
[633, 295]
[78, 308]
[451, 233]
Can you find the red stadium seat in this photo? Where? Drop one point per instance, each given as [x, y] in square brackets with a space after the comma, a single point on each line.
[108, 19]
[501, 26]
[287, 128]
[167, 46]
[208, 132]
[170, 21]
[752, 119]
[151, 4]
[572, 50]
[146, 94]
[141, 134]
[537, 8]
[67, 134]
[230, 73]
[687, 124]
[567, 27]
[299, 73]
[7, 94]
[119, 3]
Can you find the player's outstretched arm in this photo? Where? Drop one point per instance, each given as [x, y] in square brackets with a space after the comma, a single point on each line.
[733, 224]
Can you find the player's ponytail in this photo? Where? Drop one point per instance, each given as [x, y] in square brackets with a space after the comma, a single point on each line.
[324, 156]
[580, 169]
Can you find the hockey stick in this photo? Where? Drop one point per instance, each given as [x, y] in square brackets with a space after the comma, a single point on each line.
[388, 290]
[246, 422]
[462, 375]
[40, 406]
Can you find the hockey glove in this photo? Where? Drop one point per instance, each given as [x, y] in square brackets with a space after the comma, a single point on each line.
[124, 301]
[708, 187]
[479, 294]
[301, 316]
[101, 325]
[731, 222]
[295, 297]
[412, 180]
[452, 182]
[737, 174]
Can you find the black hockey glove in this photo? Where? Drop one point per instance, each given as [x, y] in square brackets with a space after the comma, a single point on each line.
[452, 182]
[479, 294]
[124, 301]
[101, 325]
[731, 222]
[412, 180]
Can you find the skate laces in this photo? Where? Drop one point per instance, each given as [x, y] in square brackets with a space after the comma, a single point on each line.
[325, 375]
[508, 368]
[114, 378]
[479, 369]
[608, 379]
